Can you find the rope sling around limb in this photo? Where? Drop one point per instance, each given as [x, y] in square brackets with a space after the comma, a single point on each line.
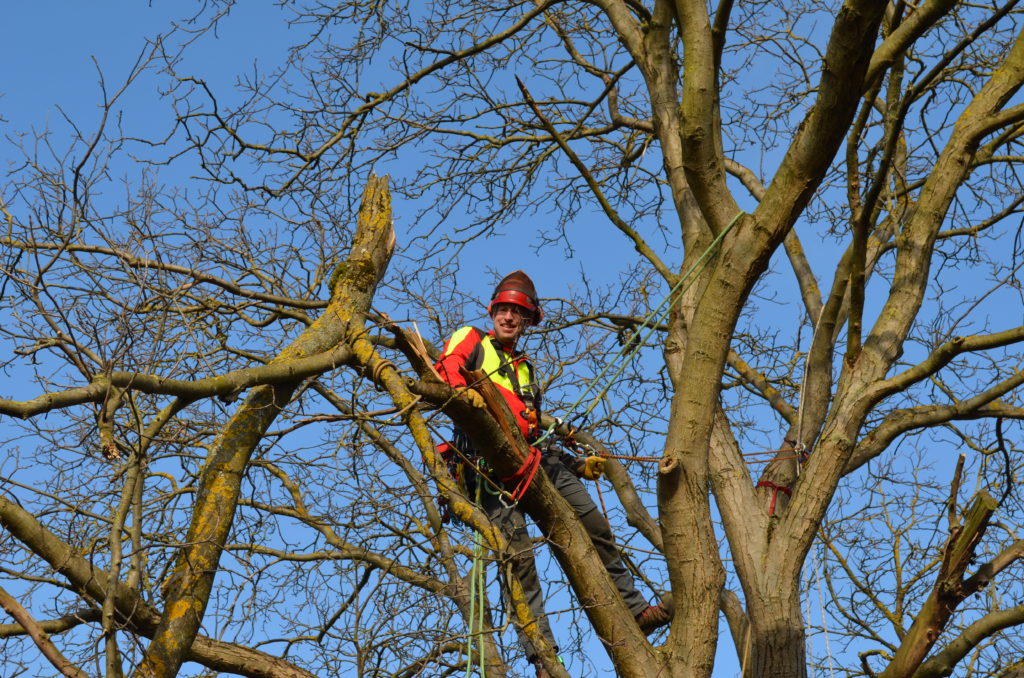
[650, 321]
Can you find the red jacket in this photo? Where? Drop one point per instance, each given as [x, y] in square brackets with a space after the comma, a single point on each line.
[510, 371]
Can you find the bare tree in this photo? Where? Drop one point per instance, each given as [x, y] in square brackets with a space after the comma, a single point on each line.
[228, 455]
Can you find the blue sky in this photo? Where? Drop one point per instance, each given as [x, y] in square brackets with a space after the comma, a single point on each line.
[114, 34]
[56, 51]
[48, 53]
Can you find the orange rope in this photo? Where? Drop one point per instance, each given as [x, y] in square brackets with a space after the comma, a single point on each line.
[654, 460]
[600, 497]
[609, 455]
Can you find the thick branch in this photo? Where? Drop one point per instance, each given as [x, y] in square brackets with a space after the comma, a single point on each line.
[810, 154]
[702, 144]
[912, 28]
[220, 484]
[942, 663]
[133, 610]
[941, 357]
[275, 373]
[916, 240]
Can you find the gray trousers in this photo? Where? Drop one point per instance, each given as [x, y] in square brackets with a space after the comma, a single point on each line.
[511, 521]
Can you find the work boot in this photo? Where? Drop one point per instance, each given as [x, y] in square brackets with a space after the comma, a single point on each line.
[656, 616]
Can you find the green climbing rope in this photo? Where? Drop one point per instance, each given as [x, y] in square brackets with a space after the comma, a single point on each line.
[476, 601]
[630, 349]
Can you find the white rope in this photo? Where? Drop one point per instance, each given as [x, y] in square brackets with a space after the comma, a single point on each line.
[803, 388]
[650, 322]
[808, 636]
[824, 623]
[800, 448]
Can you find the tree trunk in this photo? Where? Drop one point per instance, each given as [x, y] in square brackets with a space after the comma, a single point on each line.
[775, 647]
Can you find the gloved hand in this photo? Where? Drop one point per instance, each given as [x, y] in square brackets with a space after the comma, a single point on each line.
[593, 467]
[472, 397]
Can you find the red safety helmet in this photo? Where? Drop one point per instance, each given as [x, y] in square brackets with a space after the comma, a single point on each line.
[517, 288]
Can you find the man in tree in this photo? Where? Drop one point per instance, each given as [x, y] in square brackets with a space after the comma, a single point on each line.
[514, 307]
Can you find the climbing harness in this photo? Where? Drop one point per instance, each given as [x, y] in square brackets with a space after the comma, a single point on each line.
[493, 360]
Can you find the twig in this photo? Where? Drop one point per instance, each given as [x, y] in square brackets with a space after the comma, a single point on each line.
[39, 636]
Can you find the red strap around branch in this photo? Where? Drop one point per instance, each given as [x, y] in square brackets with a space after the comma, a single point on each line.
[775, 493]
[524, 476]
